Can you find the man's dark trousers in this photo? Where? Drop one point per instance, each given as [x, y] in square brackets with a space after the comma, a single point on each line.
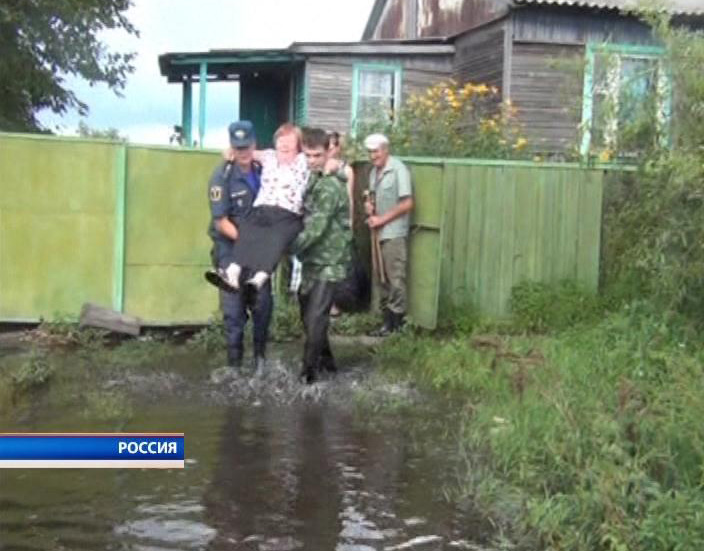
[236, 308]
[315, 300]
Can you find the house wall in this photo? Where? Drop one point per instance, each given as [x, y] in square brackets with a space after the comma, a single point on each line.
[569, 25]
[479, 55]
[546, 60]
[329, 82]
[546, 89]
[435, 18]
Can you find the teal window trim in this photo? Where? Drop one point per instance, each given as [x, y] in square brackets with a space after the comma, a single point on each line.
[235, 59]
[203, 81]
[306, 98]
[187, 113]
[626, 50]
[357, 68]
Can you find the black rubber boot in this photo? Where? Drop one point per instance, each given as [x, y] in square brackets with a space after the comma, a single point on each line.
[399, 320]
[259, 353]
[308, 375]
[327, 364]
[234, 357]
[388, 326]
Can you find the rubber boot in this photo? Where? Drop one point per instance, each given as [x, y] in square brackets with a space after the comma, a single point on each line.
[398, 321]
[259, 359]
[388, 326]
[327, 364]
[308, 375]
[234, 357]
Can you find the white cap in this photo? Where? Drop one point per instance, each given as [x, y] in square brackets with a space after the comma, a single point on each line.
[375, 141]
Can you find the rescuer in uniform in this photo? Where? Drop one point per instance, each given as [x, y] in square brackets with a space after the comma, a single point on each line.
[232, 189]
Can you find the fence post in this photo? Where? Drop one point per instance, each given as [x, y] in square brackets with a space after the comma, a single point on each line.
[118, 280]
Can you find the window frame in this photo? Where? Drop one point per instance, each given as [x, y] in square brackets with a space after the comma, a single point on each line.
[623, 51]
[357, 69]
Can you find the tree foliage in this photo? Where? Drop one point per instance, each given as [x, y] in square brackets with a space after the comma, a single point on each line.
[42, 42]
[113, 134]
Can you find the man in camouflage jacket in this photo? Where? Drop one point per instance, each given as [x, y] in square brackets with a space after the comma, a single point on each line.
[324, 249]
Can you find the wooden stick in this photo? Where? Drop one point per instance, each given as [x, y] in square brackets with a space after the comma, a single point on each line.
[376, 250]
[375, 258]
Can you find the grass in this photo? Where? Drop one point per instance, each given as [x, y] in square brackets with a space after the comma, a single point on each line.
[586, 436]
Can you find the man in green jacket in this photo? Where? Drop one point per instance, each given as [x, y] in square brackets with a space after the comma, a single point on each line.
[324, 249]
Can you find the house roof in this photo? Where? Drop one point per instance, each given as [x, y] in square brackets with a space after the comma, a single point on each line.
[676, 7]
[229, 63]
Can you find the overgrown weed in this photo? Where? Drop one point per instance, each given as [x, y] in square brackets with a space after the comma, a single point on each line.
[594, 432]
[33, 373]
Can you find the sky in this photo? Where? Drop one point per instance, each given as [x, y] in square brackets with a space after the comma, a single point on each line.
[150, 107]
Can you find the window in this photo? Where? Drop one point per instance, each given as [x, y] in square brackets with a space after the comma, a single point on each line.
[376, 92]
[626, 100]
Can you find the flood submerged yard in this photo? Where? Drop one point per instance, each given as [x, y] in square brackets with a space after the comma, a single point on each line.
[350, 464]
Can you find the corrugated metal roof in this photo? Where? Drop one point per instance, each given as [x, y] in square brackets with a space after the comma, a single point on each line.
[676, 7]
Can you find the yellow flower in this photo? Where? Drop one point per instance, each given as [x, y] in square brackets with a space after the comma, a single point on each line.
[605, 155]
[521, 143]
[482, 89]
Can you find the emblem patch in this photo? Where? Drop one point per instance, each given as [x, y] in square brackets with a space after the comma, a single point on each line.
[215, 193]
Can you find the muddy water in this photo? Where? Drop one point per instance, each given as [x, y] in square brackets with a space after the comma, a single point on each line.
[301, 473]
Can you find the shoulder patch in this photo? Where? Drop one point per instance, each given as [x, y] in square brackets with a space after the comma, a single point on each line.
[215, 193]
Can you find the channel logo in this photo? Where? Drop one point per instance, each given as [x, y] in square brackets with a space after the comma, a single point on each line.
[92, 450]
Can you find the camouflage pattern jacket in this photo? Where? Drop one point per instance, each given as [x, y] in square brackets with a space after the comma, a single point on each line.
[324, 247]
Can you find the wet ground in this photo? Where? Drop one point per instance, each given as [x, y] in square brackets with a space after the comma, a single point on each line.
[350, 464]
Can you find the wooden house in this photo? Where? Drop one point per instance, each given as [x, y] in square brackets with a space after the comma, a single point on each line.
[325, 84]
[549, 57]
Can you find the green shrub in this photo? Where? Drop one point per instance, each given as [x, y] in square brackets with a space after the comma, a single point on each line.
[210, 338]
[32, 373]
[448, 120]
[541, 307]
[286, 323]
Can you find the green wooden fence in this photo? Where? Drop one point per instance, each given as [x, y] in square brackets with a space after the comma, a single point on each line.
[124, 226]
[481, 227]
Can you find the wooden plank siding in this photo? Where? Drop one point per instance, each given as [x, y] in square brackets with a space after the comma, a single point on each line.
[479, 56]
[330, 83]
[575, 25]
[546, 88]
[329, 94]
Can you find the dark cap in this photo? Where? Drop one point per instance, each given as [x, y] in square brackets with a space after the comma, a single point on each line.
[242, 134]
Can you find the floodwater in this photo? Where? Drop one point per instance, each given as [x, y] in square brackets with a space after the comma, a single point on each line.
[268, 475]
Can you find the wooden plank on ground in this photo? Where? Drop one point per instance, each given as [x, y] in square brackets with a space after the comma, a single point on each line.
[93, 315]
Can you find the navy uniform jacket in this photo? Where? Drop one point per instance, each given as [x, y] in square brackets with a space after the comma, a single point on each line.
[230, 197]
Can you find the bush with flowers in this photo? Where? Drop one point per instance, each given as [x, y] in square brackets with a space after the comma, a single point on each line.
[448, 120]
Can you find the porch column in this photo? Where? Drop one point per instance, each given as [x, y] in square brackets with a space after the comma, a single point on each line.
[201, 105]
[187, 113]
